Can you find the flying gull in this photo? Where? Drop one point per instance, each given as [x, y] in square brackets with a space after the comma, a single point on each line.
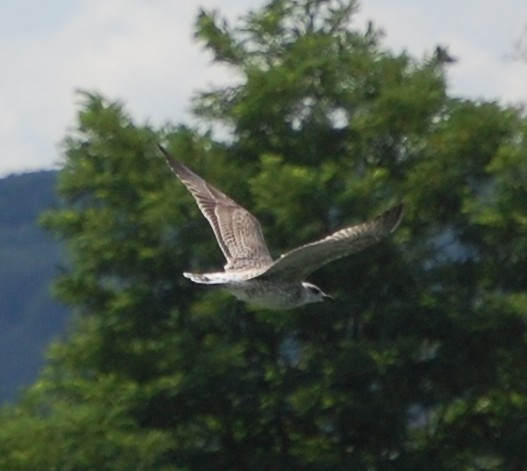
[250, 273]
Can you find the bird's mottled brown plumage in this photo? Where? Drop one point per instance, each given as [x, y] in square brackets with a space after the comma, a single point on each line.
[300, 262]
[237, 231]
[250, 269]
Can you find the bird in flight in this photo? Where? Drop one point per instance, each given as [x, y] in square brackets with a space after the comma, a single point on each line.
[250, 273]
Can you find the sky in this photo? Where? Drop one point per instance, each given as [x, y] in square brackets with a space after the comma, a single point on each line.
[142, 53]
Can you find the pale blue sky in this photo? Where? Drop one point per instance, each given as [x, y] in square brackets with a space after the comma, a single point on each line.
[142, 53]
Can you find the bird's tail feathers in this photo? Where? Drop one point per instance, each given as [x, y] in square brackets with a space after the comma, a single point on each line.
[206, 278]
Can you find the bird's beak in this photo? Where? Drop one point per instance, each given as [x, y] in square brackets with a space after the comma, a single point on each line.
[327, 297]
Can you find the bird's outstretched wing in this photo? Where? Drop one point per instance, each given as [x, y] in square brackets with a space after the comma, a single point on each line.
[237, 231]
[300, 262]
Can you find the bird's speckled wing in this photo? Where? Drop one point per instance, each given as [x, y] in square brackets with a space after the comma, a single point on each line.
[237, 231]
[300, 262]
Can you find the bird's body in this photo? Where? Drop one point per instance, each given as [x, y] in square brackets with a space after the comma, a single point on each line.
[250, 273]
[268, 294]
[249, 287]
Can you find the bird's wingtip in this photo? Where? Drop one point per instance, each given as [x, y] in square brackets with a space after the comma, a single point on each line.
[177, 167]
[397, 212]
[392, 217]
[165, 152]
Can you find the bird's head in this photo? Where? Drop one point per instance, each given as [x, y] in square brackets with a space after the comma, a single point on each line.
[313, 294]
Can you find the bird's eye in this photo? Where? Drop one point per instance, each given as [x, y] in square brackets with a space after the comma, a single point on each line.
[314, 290]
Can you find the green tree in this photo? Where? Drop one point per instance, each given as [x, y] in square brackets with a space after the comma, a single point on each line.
[420, 363]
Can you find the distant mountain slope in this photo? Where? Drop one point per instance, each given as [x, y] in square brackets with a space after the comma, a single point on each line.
[29, 257]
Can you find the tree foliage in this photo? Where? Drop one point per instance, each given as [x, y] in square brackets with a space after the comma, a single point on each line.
[419, 364]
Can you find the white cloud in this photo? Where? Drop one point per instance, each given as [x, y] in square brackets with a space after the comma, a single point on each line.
[144, 54]
[480, 33]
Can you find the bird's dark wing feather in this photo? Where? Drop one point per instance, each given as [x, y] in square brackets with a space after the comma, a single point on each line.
[237, 231]
[300, 262]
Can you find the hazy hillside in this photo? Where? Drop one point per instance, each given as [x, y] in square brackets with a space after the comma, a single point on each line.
[29, 257]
